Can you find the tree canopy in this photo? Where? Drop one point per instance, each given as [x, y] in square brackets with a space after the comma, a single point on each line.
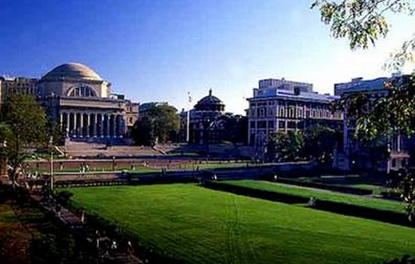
[314, 143]
[23, 127]
[363, 22]
[159, 124]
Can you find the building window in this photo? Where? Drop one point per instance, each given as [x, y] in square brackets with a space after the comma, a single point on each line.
[270, 124]
[262, 124]
[252, 124]
[281, 124]
[82, 91]
[291, 124]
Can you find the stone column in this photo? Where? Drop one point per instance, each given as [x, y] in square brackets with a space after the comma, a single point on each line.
[68, 119]
[120, 128]
[98, 122]
[101, 121]
[61, 121]
[103, 125]
[75, 125]
[116, 129]
[108, 125]
[114, 125]
[88, 125]
[94, 125]
[81, 125]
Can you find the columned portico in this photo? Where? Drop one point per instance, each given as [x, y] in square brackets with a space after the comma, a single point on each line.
[91, 124]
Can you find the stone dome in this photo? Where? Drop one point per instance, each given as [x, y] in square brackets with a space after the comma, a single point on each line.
[210, 102]
[74, 71]
[210, 99]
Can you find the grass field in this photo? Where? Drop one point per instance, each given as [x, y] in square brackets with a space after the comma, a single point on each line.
[198, 225]
[321, 194]
[374, 183]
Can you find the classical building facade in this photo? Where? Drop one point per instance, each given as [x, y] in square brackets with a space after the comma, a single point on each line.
[79, 100]
[204, 121]
[357, 155]
[282, 105]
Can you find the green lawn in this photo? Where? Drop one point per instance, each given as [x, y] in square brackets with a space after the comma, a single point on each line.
[374, 183]
[199, 225]
[321, 194]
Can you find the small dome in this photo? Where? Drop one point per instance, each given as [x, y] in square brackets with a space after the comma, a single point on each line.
[72, 70]
[210, 99]
[210, 102]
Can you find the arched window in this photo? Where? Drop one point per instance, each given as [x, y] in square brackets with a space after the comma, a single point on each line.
[82, 91]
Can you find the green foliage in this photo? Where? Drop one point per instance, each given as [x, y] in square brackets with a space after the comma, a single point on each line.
[315, 142]
[197, 225]
[320, 142]
[26, 128]
[406, 188]
[143, 132]
[362, 22]
[235, 127]
[387, 115]
[285, 146]
[159, 125]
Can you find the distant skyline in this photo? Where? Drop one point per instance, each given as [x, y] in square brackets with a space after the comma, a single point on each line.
[160, 50]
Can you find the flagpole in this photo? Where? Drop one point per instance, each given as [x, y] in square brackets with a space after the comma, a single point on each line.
[188, 119]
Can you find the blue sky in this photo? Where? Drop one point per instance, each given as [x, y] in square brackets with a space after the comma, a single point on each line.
[158, 50]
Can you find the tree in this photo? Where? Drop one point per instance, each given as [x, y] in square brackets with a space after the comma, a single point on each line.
[320, 142]
[24, 128]
[315, 142]
[233, 128]
[285, 146]
[143, 132]
[362, 22]
[159, 125]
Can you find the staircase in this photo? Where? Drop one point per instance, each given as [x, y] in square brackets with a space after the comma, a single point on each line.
[100, 150]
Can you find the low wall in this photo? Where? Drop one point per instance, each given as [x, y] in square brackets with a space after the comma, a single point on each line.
[163, 176]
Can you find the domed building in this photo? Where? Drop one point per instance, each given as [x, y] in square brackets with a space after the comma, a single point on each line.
[210, 103]
[73, 80]
[78, 99]
[204, 121]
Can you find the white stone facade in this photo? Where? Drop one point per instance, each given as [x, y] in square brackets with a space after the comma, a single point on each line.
[281, 105]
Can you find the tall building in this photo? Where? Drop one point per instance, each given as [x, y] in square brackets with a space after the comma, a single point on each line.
[14, 85]
[282, 105]
[79, 100]
[358, 155]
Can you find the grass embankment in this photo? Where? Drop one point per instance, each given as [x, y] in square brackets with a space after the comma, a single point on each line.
[321, 194]
[375, 184]
[198, 225]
